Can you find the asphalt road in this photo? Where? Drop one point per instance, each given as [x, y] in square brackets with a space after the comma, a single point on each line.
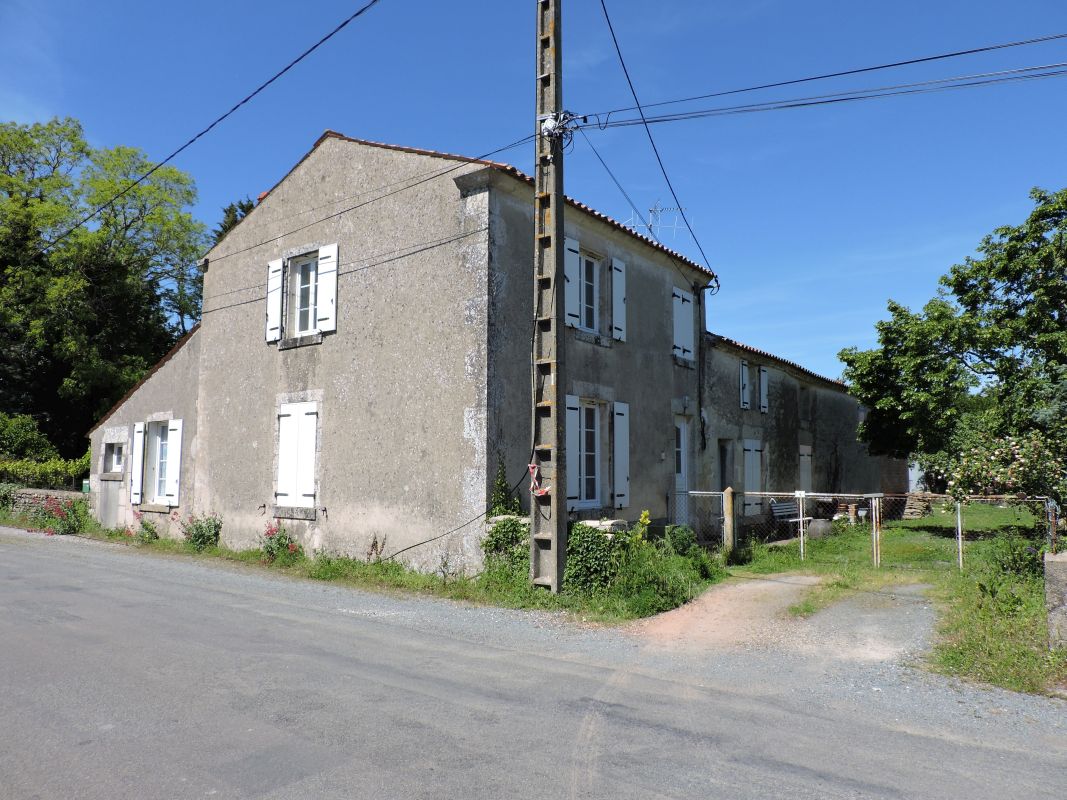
[126, 675]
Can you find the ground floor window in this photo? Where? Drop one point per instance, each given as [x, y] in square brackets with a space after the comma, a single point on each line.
[589, 454]
[155, 467]
[297, 449]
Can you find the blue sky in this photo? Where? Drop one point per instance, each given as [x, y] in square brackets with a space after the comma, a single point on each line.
[813, 218]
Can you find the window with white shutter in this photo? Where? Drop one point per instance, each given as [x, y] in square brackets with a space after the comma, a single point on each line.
[743, 383]
[297, 440]
[753, 450]
[805, 468]
[275, 270]
[172, 477]
[572, 259]
[684, 328]
[137, 465]
[573, 437]
[302, 295]
[764, 390]
[618, 300]
[621, 454]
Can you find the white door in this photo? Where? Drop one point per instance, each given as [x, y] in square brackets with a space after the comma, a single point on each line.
[681, 471]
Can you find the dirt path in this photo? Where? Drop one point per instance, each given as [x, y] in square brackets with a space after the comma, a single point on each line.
[752, 613]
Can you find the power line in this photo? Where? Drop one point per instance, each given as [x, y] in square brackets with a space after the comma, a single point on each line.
[629, 200]
[925, 87]
[651, 140]
[843, 73]
[206, 130]
[430, 177]
[414, 249]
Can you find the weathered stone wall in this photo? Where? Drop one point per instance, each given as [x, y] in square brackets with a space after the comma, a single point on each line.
[26, 500]
[1056, 598]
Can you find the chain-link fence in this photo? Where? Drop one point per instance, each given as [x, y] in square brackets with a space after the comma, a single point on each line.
[918, 530]
[704, 512]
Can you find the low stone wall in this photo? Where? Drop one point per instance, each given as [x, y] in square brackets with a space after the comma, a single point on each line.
[26, 500]
[1056, 598]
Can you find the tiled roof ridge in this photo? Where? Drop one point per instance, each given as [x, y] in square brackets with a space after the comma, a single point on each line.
[742, 346]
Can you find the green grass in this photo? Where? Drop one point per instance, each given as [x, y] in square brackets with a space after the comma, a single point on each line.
[495, 586]
[996, 635]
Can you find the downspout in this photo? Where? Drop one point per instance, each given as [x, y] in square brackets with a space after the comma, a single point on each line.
[712, 287]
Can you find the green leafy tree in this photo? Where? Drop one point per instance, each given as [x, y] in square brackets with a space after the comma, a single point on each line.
[231, 215]
[83, 319]
[20, 438]
[984, 363]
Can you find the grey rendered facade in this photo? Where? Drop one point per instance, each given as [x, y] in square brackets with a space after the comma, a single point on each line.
[385, 420]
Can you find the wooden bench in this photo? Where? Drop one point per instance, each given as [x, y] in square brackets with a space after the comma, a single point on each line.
[788, 511]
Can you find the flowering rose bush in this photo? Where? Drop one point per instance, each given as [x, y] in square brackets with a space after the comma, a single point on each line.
[1007, 465]
[277, 543]
[61, 517]
[202, 532]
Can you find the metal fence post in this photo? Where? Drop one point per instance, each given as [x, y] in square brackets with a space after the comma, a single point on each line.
[727, 520]
[875, 503]
[800, 520]
[959, 533]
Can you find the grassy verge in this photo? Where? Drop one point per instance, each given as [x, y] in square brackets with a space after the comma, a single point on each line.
[992, 624]
[500, 584]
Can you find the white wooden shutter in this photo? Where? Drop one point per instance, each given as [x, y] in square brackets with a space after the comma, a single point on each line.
[621, 447]
[174, 461]
[137, 464]
[764, 403]
[327, 289]
[744, 384]
[682, 302]
[574, 433]
[753, 470]
[618, 299]
[572, 270]
[274, 300]
[307, 428]
[805, 467]
[288, 430]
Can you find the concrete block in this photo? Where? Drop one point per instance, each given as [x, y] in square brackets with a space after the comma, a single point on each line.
[608, 525]
[817, 528]
[1056, 598]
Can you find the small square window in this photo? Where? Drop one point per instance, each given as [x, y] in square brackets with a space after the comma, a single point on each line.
[113, 457]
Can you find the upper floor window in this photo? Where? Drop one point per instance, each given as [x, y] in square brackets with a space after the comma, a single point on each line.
[302, 294]
[587, 295]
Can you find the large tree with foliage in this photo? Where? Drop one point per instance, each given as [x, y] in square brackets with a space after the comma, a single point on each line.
[82, 319]
[984, 360]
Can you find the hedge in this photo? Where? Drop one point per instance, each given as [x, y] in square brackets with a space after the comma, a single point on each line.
[55, 473]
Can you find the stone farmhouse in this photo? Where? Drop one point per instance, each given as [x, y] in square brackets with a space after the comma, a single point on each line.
[363, 364]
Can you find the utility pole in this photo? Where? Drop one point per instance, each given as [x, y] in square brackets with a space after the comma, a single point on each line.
[548, 498]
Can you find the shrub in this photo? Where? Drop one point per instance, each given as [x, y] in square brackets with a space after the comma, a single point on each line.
[507, 544]
[278, 545]
[148, 531]
[680, 538]
[202, 532]
[1013, 555]
[592, 563]
[502, 500]
[7, 495]
[61, 517]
